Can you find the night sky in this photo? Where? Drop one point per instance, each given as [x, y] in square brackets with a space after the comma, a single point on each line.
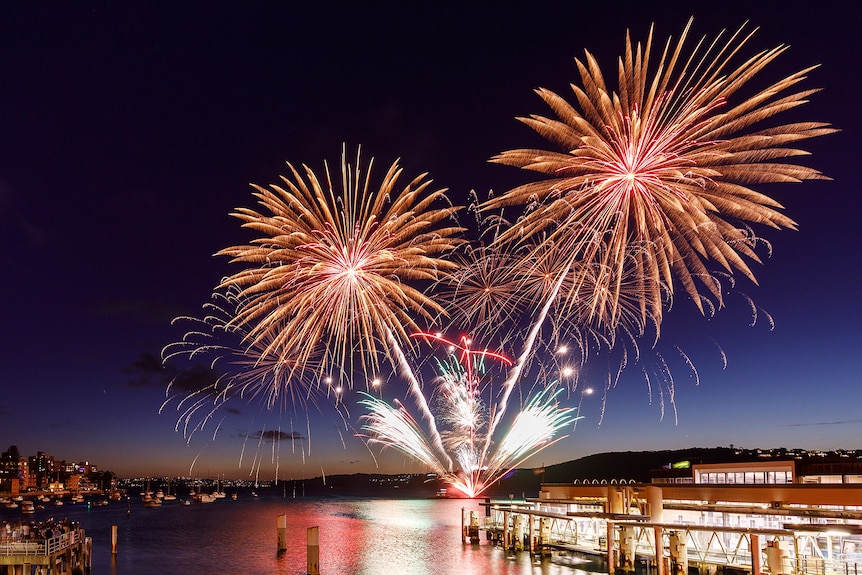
[129, 131]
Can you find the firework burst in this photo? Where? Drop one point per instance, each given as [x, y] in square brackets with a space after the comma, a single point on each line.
[334, 265]
[661, 170]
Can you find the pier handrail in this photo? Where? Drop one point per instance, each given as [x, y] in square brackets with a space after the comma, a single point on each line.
[47, 546]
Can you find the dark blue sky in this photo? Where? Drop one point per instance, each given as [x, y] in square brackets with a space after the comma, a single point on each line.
[129, 131]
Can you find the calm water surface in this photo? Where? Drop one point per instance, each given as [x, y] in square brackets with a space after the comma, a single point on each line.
[357, 536]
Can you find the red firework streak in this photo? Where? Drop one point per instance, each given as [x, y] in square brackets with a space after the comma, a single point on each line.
[466, 356]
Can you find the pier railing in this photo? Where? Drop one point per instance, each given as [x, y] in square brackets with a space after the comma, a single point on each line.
[47, 546]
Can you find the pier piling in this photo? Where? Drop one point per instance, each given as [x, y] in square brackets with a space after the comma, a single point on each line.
[113, 539]
[281, 528]
[313, 551]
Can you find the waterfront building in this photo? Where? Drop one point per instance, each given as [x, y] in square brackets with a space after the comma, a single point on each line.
[758, 517]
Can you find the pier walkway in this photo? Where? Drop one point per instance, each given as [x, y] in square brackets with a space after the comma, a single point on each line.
[708, 549]
[57, 553]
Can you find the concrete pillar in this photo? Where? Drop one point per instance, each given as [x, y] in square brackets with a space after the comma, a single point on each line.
[756, 559]
[281, 528]
[659, 551]
[518, 535]
[615, 503]
[312, 537]
[544, 533]
[506, 542]
[474, 528]
[656, 503]
[610, 546]
[627, 549]
[678, 553]
[778, 557]
[531, 519]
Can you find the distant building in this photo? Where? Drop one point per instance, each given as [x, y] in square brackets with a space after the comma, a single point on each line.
[772, 472]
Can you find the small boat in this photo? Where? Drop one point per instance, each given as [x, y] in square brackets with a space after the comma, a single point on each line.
[186, 502]
[11, 505]
[233, 496]
[58, 502]
[27, 507]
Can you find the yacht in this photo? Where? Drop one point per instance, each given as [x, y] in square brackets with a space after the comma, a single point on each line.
[205, 498]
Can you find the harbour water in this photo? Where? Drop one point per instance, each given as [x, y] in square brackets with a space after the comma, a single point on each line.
[357, 536]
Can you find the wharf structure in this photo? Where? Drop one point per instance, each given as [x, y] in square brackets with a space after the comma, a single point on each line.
[50, 552]
[756, 518]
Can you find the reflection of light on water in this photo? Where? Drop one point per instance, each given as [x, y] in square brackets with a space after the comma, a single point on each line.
[395, 513]
[357, 537]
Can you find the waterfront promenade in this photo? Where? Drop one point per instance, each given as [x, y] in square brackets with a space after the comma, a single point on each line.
[812, 529]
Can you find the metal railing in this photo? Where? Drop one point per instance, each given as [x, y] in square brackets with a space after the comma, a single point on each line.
[47, 546]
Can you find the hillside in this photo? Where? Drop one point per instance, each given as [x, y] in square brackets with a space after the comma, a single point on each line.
[629, 465]
[601, 467]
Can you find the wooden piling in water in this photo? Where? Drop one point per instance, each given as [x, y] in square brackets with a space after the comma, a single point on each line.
[113, 539]
[312, 551]
[281, 528]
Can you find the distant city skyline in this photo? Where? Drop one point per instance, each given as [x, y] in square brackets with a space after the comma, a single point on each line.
[130, 132]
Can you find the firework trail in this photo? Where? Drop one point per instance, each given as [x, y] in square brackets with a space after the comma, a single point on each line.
[237, 373]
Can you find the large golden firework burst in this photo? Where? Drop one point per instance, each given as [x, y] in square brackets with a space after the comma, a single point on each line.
[333, 266]
[661, 172]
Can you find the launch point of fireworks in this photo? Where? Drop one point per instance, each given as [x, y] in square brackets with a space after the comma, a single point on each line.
[465, 409]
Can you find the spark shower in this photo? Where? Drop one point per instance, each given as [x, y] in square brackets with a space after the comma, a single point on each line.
[646, 189]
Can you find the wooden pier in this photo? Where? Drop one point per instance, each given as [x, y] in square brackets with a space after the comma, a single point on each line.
[63, 553]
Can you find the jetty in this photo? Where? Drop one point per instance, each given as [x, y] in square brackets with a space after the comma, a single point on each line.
[681, 529]
[44, 549]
